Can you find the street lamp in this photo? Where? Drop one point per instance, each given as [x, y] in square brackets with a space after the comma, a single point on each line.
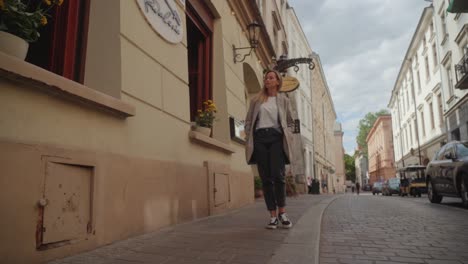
[253, 30]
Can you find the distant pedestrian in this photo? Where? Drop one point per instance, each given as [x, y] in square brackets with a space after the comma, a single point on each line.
[352, 189]
[358, 187]
[269, 140]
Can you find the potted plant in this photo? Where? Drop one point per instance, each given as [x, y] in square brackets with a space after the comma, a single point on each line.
[205, 118]
[20, 21]
[258, 187]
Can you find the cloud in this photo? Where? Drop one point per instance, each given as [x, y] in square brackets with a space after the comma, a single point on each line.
[361, 44]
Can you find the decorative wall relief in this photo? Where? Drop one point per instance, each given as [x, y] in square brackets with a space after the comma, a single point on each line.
[164, 18]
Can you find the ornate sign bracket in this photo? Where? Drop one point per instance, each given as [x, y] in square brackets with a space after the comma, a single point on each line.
[283, 64]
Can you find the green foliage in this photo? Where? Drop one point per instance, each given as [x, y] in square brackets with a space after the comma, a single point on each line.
[257, 183]
[24, 18]
[365, 126]
[350, 168]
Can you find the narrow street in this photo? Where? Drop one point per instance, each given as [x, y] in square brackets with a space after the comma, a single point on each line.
[378, 229]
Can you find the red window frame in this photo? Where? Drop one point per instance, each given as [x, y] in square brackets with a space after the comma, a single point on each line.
[200, 42]
[62, 46]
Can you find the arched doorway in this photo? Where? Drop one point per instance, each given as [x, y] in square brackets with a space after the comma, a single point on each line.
[252, 83]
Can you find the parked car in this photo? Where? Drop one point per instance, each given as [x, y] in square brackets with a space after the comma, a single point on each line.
[391, 186]
[367, 187]
[377, 188]
[447, 173]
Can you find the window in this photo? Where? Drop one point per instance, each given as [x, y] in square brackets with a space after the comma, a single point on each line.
[423, 126]
[434, 55]
[428, 76]
[407, 99]
[199, 48]
[416, 133]
[439, 103]
[431, 115]
[411, 134]
[450, 80]
[419, 82]
[444, 24]
[431, 29]
[62, 46]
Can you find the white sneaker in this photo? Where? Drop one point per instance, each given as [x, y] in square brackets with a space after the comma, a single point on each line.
[285, 222]
[273, 223]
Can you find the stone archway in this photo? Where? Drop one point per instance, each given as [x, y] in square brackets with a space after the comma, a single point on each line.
[251, 80]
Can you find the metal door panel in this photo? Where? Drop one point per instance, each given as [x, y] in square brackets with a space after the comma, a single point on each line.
[67, 214]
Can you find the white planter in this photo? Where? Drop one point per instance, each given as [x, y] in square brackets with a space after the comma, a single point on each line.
[13, 45]
[203, 130]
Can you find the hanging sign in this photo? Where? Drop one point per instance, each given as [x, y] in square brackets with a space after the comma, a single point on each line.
[163, 17]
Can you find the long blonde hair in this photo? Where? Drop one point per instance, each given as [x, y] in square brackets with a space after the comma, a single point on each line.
[262, 96]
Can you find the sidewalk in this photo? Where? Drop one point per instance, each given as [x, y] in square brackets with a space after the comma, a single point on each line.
[238, 237]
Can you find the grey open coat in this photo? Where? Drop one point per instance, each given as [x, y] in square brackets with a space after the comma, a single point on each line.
[286, 121]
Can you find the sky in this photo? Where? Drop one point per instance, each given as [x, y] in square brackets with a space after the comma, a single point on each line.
[361, 44]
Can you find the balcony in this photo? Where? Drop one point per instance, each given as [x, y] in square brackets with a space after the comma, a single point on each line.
[461, 72]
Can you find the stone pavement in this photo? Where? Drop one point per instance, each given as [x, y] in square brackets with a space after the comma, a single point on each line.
[237, 237]
[375, 229]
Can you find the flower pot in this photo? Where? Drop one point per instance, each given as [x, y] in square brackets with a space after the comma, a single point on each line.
[203, 130]
[13, 45]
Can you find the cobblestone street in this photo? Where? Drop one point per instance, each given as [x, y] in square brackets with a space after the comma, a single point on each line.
[375, 229]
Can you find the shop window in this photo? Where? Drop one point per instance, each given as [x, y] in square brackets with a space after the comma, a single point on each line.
[199, 46]
[61, 48]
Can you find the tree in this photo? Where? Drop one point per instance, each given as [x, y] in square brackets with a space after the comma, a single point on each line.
[365, 126]
[350, 168]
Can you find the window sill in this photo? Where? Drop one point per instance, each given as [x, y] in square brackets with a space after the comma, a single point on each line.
[42, 80]
[210, 142]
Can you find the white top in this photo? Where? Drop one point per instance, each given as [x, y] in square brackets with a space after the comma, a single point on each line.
[268, 115]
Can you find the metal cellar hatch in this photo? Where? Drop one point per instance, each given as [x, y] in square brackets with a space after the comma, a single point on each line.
[66, 206]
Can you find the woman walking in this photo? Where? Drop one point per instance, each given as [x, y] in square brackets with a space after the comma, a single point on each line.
[268, 144]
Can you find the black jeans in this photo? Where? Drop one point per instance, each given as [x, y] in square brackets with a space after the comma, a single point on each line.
[268, 151]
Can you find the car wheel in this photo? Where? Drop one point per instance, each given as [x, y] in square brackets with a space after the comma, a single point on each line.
[464, 191]
[432, 195]
[373, 193]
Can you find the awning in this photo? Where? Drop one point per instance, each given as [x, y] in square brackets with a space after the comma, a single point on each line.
[458, 6]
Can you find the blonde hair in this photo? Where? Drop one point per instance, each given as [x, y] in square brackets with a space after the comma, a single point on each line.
[262, 96]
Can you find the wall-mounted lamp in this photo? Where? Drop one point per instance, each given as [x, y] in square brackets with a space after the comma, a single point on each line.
[254, 32]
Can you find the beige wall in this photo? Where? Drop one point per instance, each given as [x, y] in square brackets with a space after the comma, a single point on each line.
[324, 117]
[380, 148]
[147, 171]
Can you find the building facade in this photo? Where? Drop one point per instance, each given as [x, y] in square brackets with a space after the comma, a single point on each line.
[417, 98]
[340, 171]
[299, 48]
[360, 162]
[452, 43]
[380, 150]
[109, 135]
[324, 116]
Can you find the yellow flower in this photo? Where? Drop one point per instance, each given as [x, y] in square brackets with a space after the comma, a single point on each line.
[199, 111]
[59, 2]
[47, 2]
[2, 4]
[43, 20]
